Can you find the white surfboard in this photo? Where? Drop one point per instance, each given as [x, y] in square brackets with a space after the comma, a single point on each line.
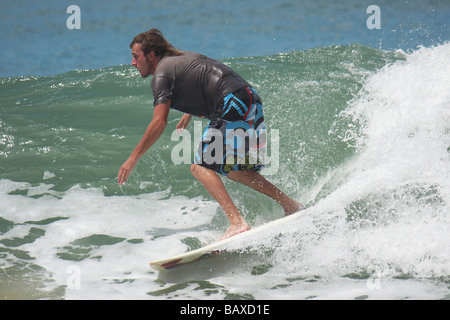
[218, 246]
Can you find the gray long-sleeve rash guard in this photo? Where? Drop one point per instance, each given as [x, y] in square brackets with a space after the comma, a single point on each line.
[194, 83]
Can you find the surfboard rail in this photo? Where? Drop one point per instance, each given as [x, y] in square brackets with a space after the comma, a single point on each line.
[218, 246]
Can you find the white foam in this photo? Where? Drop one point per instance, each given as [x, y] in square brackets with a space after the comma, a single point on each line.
[397, 185]
[161, 224]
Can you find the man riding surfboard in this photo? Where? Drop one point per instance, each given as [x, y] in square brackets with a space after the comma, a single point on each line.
[200, 86]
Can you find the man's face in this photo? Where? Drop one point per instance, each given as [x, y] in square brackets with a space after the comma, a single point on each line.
[140, 61]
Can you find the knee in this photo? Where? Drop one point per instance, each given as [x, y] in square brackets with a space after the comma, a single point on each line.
[201, 173]
[236, 176]
[195, 168]
[232, 175]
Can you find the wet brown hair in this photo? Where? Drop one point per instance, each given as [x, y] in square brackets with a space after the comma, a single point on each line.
[153, 40]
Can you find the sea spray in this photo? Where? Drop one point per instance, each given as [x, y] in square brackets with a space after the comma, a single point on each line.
[388, 211]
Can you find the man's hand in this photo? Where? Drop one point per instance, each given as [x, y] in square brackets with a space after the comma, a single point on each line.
[185, 119]
[126, 169]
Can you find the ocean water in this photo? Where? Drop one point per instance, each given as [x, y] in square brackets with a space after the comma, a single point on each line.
[363, 121]
[36, 40]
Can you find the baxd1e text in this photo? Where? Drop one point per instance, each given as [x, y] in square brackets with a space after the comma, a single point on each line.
[227, 309]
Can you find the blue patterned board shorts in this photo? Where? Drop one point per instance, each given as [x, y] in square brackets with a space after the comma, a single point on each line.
[236, 139]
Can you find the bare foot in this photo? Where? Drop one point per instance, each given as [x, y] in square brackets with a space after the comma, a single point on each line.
[234, 230]
[293, 208]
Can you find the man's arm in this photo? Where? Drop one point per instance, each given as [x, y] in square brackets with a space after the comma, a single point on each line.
[151, 135]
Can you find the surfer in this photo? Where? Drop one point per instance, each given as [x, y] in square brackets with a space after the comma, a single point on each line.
[234, 140]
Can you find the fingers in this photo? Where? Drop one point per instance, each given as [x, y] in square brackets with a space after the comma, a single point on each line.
[125, 170]
[123, 175]
[181, 125]
[184, 122]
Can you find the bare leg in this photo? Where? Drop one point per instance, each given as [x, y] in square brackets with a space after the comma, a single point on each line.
[214, 185]
[256, 181]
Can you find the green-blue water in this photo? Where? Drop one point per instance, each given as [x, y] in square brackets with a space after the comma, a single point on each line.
[364, 139]
[82, 125]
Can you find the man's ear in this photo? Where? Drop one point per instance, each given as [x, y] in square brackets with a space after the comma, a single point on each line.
[150, 55]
